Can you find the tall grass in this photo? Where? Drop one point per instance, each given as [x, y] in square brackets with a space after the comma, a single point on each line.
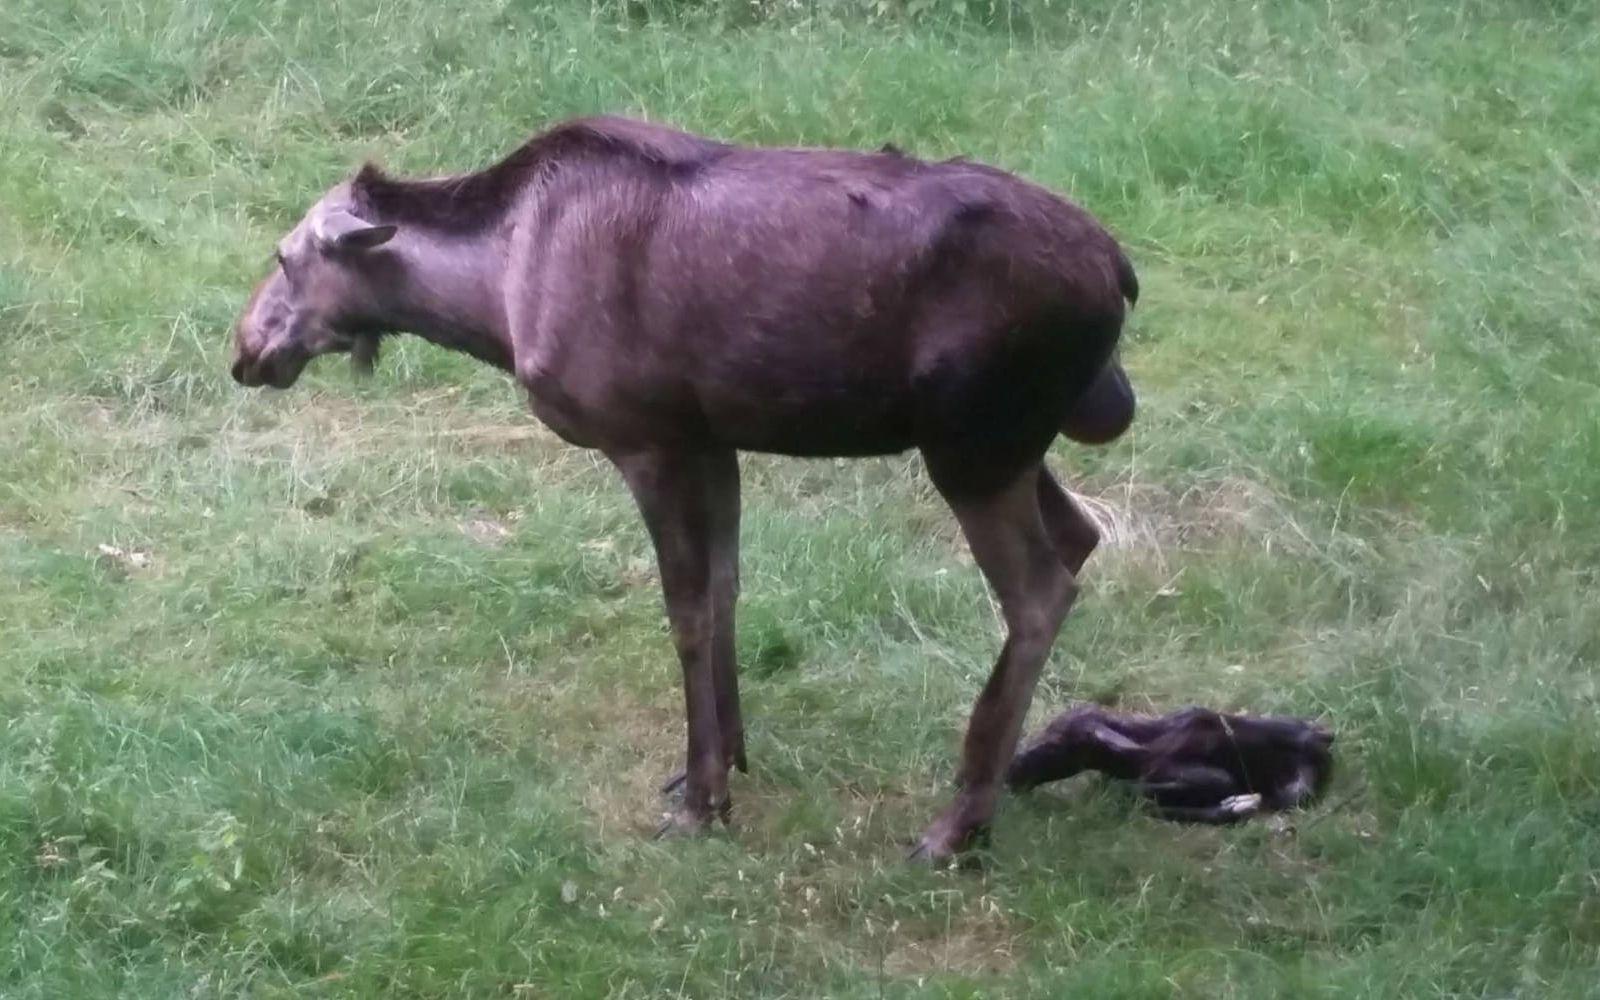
[367, 692]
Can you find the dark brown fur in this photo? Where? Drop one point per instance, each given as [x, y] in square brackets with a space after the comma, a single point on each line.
[671, 300]
[1194, 765]
[477, 200]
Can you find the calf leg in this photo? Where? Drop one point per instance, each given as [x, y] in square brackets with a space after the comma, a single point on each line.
[1198, 793]
[1080, 740]
[1180, 784]
[1035, 589]
[682, 497]
[1233, 809]
[1061, 751]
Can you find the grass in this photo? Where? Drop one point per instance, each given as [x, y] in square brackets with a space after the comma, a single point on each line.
[367, 692]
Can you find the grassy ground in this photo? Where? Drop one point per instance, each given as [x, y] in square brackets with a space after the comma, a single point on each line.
[368, 689]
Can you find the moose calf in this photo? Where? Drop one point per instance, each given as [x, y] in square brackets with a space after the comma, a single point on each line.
[1194, 765]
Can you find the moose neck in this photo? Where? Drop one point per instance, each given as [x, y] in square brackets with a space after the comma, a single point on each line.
[448, 288]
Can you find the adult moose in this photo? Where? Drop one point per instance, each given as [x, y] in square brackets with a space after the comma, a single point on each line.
[671, 300]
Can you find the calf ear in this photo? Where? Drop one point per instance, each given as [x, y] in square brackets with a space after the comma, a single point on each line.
[340, 230]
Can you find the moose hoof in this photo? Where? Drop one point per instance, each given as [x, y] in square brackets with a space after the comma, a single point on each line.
[685, 822]
[948, 843]
[675, 782]
[929, 853]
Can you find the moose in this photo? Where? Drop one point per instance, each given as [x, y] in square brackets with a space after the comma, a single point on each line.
[671, 300]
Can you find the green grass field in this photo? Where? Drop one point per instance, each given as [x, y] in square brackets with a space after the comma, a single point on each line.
[367, 692]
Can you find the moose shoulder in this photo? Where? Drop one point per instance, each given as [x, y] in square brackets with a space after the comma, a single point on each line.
[672, 300]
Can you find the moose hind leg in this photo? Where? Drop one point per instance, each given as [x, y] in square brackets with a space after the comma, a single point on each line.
[1035, 589]
[1073, 534]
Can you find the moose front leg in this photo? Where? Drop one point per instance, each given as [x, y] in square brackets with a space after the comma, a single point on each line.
[684, 497]
[722, 484]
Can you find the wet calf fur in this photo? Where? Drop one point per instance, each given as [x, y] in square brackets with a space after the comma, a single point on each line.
[671, 300]
[1195, 764]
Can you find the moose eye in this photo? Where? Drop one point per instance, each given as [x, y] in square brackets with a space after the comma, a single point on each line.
[278, 256]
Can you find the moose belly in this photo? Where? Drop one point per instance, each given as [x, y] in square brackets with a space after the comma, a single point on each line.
[834, 420]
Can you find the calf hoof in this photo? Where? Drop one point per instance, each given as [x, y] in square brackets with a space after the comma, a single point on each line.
[1241, 805]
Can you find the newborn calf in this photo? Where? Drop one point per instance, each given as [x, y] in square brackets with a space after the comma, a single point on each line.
[1194, 765]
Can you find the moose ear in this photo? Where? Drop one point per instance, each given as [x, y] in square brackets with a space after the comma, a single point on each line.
[340, 230]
